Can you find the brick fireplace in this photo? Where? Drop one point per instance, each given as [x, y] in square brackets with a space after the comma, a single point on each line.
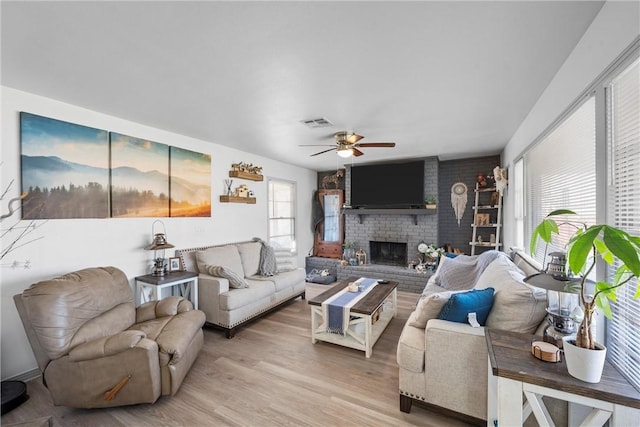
[388, 253]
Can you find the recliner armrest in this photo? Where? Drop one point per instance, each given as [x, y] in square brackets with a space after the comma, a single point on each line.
[169, 306]
[106, 346]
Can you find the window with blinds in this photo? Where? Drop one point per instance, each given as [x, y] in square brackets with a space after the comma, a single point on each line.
[561, 174]
[623, 143]
[282, 221]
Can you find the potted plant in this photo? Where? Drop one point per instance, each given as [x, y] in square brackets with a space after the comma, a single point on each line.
[585, 247]
[430, 202]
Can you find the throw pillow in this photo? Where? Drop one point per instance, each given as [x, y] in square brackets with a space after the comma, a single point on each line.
[429, 308]
[285, 260]
[461, 304]
[235, 280]
[518, 307]
[463, 271]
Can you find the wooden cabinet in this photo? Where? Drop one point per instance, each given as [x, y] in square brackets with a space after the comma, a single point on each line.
[330, 231]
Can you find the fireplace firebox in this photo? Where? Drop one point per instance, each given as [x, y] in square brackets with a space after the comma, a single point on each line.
[388, 253]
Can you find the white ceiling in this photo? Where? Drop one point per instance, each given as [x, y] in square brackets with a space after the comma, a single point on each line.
[448, 79]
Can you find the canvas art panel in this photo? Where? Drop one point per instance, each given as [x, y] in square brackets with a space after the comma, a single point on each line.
[190, 183]
[65, 169]
[139, 177]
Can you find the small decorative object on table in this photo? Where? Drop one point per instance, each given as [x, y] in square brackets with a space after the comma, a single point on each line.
[430, 202]
[174, 264]
[428, 255]
[361, 257]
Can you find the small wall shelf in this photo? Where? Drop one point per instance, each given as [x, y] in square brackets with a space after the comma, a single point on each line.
[234, 199]
[413, 212]
[246, 175]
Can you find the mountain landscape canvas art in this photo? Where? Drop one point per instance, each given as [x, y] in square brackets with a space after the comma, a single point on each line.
[190, 183]
[139, 177]
[65, 169]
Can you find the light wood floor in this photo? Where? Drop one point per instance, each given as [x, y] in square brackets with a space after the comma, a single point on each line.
[268, 375]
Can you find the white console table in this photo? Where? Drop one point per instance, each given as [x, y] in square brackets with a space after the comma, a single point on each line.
[514, 372]
[149, 287]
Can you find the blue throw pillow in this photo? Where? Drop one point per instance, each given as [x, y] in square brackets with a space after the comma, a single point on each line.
[477, 301]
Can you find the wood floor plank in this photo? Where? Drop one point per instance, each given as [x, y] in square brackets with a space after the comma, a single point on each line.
[269, 374]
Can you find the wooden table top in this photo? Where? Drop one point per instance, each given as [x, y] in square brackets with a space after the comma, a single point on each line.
[366, 305]
[167, 278]
[510, 357]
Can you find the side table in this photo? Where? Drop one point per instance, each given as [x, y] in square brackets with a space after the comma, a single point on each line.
[513, 371]
[149, 287]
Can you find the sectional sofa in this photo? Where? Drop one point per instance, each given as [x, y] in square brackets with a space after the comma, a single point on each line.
[444, 363]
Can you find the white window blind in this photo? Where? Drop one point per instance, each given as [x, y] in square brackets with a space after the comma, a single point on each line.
[561, 174]
[623, 135]
[282, 221]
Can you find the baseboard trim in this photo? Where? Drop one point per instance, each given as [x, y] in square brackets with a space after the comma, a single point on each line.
[26, 376]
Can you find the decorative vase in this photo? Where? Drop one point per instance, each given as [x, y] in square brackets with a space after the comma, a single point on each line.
[430, 206]
[583, 363]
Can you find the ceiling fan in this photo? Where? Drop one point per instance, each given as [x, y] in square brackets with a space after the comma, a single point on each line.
[347, 144]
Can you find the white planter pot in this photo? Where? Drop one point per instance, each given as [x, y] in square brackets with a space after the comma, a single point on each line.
[583, 363]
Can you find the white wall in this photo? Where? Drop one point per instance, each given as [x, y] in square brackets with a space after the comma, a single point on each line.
[611, 32]
[67, 245]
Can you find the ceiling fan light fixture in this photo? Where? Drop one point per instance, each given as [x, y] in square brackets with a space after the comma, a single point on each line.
[345, 152]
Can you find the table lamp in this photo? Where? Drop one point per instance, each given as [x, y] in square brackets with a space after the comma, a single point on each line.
[562, 299]
[158, 245]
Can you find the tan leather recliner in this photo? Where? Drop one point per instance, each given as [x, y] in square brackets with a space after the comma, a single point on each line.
[96, 349]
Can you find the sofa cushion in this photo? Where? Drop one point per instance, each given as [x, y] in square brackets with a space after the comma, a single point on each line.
[250, 257]
[235, 281]
[284, 280]
[225, 256]
[517, 306]
[410, 352]
[525, 263]
[429, 308]
[463, 271]
[285, 260]
[257, 290]
[461, 304]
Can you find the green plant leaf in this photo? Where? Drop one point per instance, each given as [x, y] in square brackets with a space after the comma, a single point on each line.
[603, 303]
[604, 251]
[622, 248]
[561, 212]
[607, 290]
[580, 246]
[544, 231]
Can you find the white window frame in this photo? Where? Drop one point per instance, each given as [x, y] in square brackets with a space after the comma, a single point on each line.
[603, 192]
[292, 217]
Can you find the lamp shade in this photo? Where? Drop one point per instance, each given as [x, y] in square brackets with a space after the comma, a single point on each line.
[345, 152]
[159, 242]
[552, 283]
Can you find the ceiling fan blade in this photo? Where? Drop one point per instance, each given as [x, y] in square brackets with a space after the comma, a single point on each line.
[353, 138]
[357, 152]
[325, 151]
[377, 144]
[316, 145]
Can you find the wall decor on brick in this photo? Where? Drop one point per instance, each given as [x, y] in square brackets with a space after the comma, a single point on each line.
[450, 172]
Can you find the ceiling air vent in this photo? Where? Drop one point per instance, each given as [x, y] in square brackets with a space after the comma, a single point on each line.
[317, 123]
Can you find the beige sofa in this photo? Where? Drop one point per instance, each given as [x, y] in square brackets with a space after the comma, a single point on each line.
[444, 363]
[229, 308]
[96, 350]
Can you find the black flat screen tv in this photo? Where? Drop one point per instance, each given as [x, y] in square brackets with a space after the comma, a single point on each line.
[388, 185]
